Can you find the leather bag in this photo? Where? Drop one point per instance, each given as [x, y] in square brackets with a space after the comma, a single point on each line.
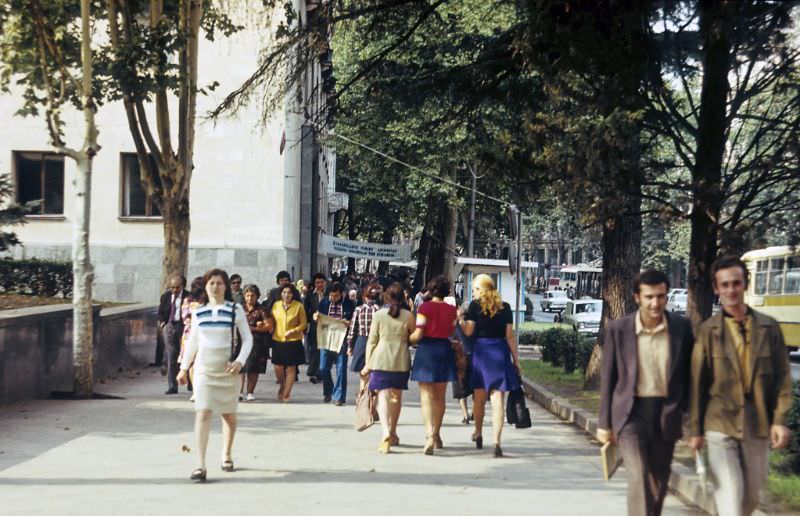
[366, 410]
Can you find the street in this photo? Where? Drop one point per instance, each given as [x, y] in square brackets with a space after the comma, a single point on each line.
[125, 457]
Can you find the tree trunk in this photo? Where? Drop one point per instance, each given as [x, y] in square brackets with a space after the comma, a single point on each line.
[351, 233]
[420, 276]
[386, 238]
[175, 215]
[707, 175]
[438, 262]
[82, 270]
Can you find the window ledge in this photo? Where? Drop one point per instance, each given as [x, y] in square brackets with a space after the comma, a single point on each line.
[139, 218]
[45, 217]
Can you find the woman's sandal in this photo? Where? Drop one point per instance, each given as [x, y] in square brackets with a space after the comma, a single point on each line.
[227, 466]
[478, 440]
[198, 475]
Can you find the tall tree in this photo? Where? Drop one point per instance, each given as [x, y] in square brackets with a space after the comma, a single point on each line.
[50, 56]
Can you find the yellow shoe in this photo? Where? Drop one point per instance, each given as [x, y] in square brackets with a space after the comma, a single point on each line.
[384, 446]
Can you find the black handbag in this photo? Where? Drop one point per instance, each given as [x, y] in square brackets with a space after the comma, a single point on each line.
[517, 413]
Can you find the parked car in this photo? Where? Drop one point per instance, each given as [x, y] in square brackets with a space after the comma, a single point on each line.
[677, 303]
[583, 315]
[677, 291]
[554, 300]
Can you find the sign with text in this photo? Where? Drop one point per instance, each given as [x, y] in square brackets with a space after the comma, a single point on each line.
[366, 250]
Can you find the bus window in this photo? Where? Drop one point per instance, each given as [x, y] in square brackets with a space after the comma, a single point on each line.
[792, 276]
[776, 276]
[762, 266]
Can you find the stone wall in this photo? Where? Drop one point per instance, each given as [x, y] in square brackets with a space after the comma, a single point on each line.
[133, 274]
[36, 347]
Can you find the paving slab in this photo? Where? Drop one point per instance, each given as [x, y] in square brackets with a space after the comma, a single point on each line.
[126, 456]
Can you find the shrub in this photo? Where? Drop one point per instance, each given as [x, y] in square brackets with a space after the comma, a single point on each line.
[557, 347]
[36, 278]
[791, 462]
[528, 338]
[583, 354]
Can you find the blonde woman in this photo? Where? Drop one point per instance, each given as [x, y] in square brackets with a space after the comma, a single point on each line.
[216, 374]
[495, 363]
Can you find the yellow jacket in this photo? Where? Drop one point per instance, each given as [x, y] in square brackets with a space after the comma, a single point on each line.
[292, 318]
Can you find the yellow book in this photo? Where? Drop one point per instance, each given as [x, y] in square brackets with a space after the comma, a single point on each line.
[611, 459]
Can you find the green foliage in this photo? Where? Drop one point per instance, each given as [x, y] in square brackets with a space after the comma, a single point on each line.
[36, 277]
[564, 347]
[791, 455]
[11, 214]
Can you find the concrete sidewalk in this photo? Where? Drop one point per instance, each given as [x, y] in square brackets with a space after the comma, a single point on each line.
[124, 457]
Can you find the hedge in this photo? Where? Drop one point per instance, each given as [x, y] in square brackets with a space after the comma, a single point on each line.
[791, 461]
[36, 278]
[562, 347]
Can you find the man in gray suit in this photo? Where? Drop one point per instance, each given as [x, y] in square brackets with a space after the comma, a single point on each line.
[645, 390]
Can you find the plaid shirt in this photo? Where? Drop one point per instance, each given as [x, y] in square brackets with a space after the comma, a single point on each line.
[335, 310]
[362, 317]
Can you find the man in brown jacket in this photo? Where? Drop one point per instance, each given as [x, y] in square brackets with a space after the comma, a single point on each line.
[741, 391]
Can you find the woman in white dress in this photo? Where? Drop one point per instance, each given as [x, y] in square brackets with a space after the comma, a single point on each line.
[216, 373]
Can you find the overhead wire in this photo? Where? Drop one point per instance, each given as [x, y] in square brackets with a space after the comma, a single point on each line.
[415, 168]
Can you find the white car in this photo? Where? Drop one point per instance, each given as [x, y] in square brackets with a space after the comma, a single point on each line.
[677, 303]
[583, 315]
[677, 291]
[554, 300]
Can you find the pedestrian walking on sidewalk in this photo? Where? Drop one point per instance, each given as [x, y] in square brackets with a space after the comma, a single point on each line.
[289, 318]
[311, 304]
[644, 390]
[388, 361]
[171, 325]
[741, 392]
[495, 362]
[260, 325]
[360, 327]
[216, 387]
[335, 306]
[434, 361]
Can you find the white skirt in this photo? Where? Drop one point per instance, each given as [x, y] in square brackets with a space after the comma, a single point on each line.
[215, 389]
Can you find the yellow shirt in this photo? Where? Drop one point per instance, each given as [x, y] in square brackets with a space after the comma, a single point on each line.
[293, 317]
[742, 344]
[652, 347]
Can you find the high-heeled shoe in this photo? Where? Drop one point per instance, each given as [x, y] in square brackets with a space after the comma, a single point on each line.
[478, 440]
[437, 442]
[385, 445]
[498, 451]
[198, 475]
[394, 440]
[429, 445]
[227, 466]
[465, 420]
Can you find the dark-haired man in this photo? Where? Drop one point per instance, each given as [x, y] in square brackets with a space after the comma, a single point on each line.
[283, 279]
[311, 303]
[170, 324]
[335, 306]
[741, 391]
[644, 390]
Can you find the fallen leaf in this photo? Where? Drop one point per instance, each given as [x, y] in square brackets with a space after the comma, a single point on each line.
[185, 449]
[66, 428]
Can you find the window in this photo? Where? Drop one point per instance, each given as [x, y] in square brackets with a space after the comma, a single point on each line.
[760, 287]
[40, 177]
[135, 202]
[792, 275]
[776, 276]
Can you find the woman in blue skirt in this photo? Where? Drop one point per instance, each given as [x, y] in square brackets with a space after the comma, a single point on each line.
[388, 361]
[434, 361]
[495, 363]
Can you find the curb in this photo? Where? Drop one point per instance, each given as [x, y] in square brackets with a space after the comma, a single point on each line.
[682, 481]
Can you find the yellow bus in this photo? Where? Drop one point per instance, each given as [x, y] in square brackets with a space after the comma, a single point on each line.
[775, 287]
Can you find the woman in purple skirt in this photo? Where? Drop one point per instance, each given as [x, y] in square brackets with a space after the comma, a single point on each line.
[495, 363]
[388, 361]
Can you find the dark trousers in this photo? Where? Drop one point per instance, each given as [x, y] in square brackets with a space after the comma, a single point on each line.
[159, 348]
[647, 458]
[312, 355]
[172, 333]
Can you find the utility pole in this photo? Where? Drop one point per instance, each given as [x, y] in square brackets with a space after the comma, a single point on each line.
[471, 222]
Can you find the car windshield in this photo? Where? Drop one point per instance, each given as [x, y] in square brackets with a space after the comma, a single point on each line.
[587, 308]
[558, 293]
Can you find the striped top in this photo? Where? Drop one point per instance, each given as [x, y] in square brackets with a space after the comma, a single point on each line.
[211, 329]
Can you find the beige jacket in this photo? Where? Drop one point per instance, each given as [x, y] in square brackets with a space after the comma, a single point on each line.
[387, 344]
[717, 395]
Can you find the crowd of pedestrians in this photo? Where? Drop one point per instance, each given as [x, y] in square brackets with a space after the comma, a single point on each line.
[732, 377]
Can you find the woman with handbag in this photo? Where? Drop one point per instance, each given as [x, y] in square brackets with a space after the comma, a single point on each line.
[434, 361]
[495, 363]
[216, 371]
[388, 361]
[260, 326]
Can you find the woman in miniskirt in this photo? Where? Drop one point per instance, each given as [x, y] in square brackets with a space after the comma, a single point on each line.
[388, 361]
[434, 361]
[495, 363]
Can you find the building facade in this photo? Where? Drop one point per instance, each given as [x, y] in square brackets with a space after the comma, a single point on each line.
[258, 194]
